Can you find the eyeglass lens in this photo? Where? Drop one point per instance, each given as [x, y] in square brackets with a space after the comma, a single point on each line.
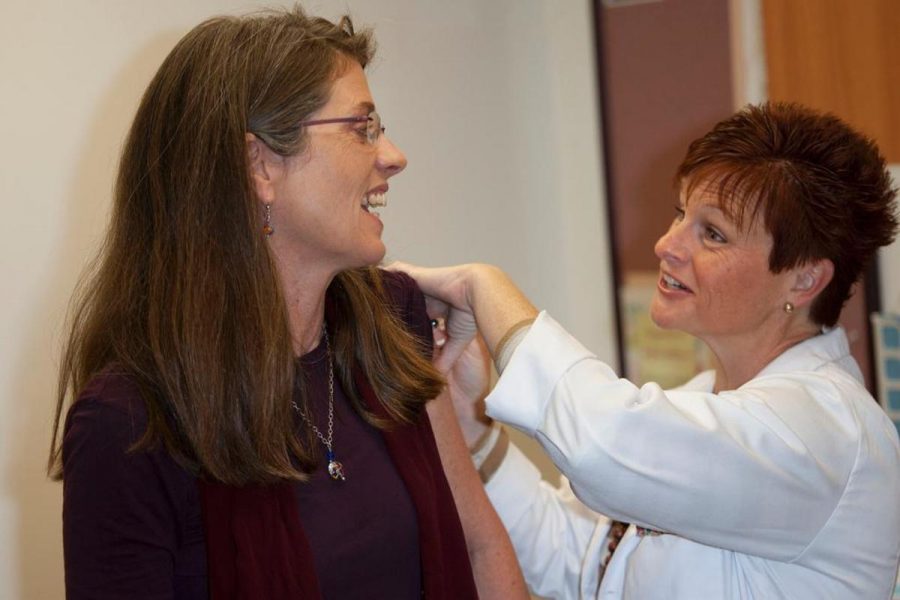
[374, 128]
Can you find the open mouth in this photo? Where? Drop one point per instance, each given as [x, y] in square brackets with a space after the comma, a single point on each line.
[373, 200]
[671, 283]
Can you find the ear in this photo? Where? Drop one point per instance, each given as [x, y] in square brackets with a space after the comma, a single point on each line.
[265, 166]
[809, 280]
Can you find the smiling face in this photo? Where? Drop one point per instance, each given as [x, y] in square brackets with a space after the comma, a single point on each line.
[320, 208]
[714, 280]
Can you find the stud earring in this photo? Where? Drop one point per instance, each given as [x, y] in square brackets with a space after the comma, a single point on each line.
[267, 225]
[788, 307]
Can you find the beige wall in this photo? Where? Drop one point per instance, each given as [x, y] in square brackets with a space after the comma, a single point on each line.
[493, 102]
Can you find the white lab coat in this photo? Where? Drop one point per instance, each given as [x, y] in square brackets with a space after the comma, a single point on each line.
[788, 487]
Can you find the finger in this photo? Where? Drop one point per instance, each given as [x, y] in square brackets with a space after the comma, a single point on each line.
[461, 325]
[450, 353]
[461, 330]
[418, 273]
[446, 283]
[479, 348]
[436, 309]
[398, 266]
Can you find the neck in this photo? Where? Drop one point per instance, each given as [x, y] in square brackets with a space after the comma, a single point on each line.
[306, 314]
[304, 293]
[740, 360]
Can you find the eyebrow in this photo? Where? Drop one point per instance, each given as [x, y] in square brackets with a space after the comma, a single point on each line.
[705, 209]
[365, 105]
[710, 208]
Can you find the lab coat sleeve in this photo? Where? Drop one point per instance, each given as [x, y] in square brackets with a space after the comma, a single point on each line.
[757, 470]
[558, 540]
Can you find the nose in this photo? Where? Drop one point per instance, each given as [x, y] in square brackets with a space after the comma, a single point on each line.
[390, 159]
[671, 247]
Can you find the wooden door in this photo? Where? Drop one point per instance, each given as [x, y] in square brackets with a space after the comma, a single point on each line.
[841, 56]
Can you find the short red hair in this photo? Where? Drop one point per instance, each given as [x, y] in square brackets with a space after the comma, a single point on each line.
[821, 189]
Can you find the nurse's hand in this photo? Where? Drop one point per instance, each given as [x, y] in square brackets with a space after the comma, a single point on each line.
[447, 302]
[468, 384]
[472, 298]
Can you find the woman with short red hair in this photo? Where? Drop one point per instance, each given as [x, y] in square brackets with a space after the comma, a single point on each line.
[775, 475]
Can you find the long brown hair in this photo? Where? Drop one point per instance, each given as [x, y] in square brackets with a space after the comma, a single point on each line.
[184, 298]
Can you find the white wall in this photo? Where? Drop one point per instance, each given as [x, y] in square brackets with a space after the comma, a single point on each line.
[493, 102]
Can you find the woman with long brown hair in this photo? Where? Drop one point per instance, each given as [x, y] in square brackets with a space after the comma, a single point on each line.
[248, 393]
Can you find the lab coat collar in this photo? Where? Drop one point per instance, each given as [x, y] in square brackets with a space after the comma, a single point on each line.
[812, 354]
[830, 346]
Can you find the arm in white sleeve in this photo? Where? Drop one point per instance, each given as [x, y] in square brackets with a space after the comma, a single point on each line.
[558, 540]
[756, 470]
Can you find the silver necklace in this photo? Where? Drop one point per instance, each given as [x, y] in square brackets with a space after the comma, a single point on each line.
[335, 469]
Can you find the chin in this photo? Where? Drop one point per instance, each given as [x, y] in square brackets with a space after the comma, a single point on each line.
[661, 323]
[373, 256]
[660, 318]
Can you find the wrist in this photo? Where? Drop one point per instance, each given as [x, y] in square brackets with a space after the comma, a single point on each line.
[496, 303]
[481, 276]
[473, 422]
[477, 432]
[509, 342]
[485, 445]
[489, 455]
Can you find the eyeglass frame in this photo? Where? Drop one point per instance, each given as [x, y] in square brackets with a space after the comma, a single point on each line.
[372, 133]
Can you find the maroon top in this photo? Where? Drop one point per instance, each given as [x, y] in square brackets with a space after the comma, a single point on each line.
[133, 525]
[365, 514]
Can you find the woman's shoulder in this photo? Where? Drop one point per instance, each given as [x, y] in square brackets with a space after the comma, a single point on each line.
[114, 389]
[401, 289]
[109, 405]
[403, 294]
[408, 303]
[105, 431]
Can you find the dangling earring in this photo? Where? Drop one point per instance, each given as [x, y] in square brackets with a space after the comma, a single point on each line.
[788, 307]
[267, 225]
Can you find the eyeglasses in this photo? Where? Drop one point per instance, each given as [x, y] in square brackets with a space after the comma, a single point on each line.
[374, 128]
